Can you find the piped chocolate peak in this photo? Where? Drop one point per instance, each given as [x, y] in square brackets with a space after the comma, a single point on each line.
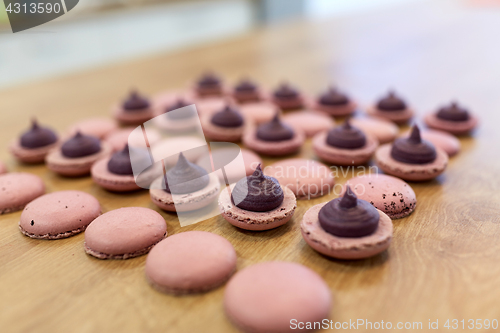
[119, 163]
[257, 192]
[333, 97]
[209, 80]
[349, 216]
[185, 177]
[81, 145]
[275, 130]
[135, 102]
[178, 115]
[453, 112]
[286, 91]
[37, 136]
[228, 117]
[346, 137]
[245, 86]
[391, 102]
[413, 150]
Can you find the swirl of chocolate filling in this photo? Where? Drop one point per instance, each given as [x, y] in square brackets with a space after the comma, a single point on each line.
[391, 103]
[37, 136]
[349, 216]
[275, 130]
[413, 150]
[245, 86]
[209, 80]
[135, 102]
[453, 112]
[185, 114]
[286, 91]
[333, 97]
[185, 177]
[81, 145]
[120, 163]
[228, 117]
[257, 192]
[346, 137]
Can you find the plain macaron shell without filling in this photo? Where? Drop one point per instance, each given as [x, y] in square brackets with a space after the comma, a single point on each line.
[59, 215]
[124, 233]
[265, 297]
[17, 189]
[190, 262]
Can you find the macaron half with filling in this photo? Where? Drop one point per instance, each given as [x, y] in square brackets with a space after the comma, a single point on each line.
[444, 140]
[257, 202]
[453, 119]
[17, 189]
[209, 84]
[190, 262]
[226, 125]
[135, 110]
[34, 144]
[76, 156]
[345, 145]
[274, 138]
[287, 97]
[335, 103]
[246, 91]
[266, 297]
[389, 194]
[59, 215]
[393, 108]
[181, 116]
[411, 158]
[185, 187]
[124, 233]
[347, 228]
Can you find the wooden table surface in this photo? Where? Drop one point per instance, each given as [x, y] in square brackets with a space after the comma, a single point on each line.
[444, 259]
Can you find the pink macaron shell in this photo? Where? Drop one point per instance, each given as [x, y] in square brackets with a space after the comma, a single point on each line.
[166, 99]
[398, 117]
[384, 130]
[411, 172]
[444, 140]
[3, 168]
[135, 117]
[273, 148]
[389, 194]
[17, 189]
[233, 169]
[35, 155]
[192, 147]
[124, 233]
[306, 178]
[219, 133]
[265, 297]
[345, 247]
[210, 105]
[190, 262]
[110, 181]
[98, 127]
[59, 214]
[335, 110]
[453, 127]
[342, 156]
[258, 112]
[118, 139]
[309, 122]
[257, 221]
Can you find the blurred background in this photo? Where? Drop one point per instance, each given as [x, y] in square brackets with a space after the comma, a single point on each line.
[98, 32]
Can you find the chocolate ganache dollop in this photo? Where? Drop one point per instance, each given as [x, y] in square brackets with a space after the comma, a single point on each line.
[228, 117]
[349, 216]
[135, 102]
[257, 192]
[453, 112]
[413, 150]
[333, 97]
[286, 91]
[37, 136]
[184, 114]
[81, 145]
[209, 80]
[120, 163]
[245, 86]
[346, 137]
[185, 177]
[391, 102]
[275, 130]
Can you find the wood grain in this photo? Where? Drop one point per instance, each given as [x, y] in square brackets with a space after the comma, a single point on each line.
[443, 263]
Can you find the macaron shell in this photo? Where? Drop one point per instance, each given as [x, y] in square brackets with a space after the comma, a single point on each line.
[345, 247]
[336, 110]
[168, 98]
[118, 139]
[124, 233]
[444, 140]
[453, 127]
[411, 172]
[189, 262]
[164, 123]
[59, 214]
[259, 112]
[398, 117]
[17, 189]
[389, 194]
[98, 127]
[74, 167]
[385, 131]
[219, 133]
[210, 105]
[309, 122]
[132, 117]
[36, 155]
[190, 146]
[110, 181]
[266, 296]
[306, 178]
[273, 148]
[257, 221]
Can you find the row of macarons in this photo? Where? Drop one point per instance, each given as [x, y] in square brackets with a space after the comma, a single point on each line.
[184, 263]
